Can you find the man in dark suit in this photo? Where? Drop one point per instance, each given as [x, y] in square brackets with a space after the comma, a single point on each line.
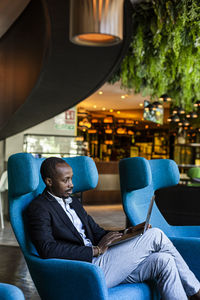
[60, 228]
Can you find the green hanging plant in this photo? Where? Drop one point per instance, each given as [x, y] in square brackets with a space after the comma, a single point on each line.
[164, 55]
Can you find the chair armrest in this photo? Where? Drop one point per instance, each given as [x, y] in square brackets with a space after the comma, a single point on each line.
[10, 292]
[194, 179]
[189, 248]
[55, 278]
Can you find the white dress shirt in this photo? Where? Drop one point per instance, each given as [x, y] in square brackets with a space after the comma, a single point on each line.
[74, 219]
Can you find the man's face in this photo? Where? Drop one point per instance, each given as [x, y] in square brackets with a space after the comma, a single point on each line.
[61, 184]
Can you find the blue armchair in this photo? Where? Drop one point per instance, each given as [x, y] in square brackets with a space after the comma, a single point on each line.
[57, 278]
[139, 179]
[10, 292]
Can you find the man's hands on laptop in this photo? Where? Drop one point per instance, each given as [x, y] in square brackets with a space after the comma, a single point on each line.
[114, 235]
[108, 239]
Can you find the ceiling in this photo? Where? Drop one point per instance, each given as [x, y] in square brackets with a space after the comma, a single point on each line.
[112, 97]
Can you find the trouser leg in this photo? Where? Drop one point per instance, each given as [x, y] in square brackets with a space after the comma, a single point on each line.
[121, 260]
[188, 279]
[162, 268]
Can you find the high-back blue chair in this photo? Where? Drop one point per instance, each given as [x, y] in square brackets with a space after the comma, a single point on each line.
[58, 278]
[194, 175]
[10, 292]
[139, 179]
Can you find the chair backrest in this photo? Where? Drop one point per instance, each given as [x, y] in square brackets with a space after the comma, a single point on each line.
[194, 172]
[25, 183]
[139, 178]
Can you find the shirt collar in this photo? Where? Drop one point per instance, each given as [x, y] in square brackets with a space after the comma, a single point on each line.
[61, 200]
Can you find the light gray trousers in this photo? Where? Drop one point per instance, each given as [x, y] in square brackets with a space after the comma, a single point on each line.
[149, 256]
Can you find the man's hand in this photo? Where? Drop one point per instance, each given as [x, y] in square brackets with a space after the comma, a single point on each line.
[108, 239]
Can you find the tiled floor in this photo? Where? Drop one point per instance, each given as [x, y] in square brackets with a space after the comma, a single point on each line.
[13, 268]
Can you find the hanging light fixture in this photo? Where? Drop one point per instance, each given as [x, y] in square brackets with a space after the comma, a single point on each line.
[96, 22]
[193, 115]
[188, 115]
[181, 111]
[175, 110]
[169, 119]
[165, 98]
[186, 123]
[148, 106]
[197, 104]
[156, 105]
[175, 119]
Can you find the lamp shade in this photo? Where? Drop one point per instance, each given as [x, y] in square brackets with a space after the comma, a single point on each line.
[96, 22]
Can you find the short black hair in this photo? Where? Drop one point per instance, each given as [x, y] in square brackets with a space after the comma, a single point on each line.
[48, 167]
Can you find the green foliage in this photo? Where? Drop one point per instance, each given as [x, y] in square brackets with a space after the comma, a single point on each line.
[164, 55]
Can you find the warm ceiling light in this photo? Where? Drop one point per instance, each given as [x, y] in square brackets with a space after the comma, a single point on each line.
[108, 142]
[165, 98]
[94, 106]
[79, 138]
[123, 97]
[92, 131]
[186, 123]
[96, 22]
[131, 122]
[103, 108]
[169, 119]
[181, 111]
[111, 110]
[197, 104]
[175, 118]
[118, 112]
[141, 104]
[156, 105]
[85, 123]
[120, 121]
[93, 121]
[130, 132]
[194, 115]
[108, 131]
[100, 93]
[121, 130]
[108, 120]
[175, 110]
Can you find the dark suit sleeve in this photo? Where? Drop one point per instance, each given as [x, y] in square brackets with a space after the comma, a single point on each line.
[40, 228]
[97, 231]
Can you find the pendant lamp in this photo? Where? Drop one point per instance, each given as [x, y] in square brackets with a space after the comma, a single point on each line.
[96, 22]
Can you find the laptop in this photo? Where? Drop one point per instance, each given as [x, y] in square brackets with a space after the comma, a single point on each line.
[138, 229]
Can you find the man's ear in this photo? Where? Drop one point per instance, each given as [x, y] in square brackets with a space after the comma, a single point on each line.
[48, 182]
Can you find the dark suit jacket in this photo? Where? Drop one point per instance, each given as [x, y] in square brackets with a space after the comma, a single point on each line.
[53, 233]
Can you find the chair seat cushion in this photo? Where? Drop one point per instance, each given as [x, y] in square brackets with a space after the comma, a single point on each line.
[134, 291]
